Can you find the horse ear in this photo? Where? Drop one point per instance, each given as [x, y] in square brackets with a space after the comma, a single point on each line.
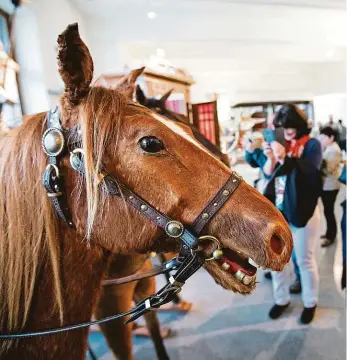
[75, 64]
[127, 84]
[166, 96]
[140, 96]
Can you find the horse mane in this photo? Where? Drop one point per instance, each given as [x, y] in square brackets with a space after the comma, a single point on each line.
[28, 229]
[28, 224]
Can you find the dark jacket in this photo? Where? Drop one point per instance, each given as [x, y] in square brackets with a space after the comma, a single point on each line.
[303, 185]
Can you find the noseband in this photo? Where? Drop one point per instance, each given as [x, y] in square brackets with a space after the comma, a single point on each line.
[56, 142]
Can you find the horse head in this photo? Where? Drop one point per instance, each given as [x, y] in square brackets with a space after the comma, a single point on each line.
[163, 163]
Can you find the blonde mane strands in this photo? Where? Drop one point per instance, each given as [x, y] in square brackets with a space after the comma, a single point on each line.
[28, 230]
[100, 119]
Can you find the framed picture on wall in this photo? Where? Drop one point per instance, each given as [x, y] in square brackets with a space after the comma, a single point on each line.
[205, 118]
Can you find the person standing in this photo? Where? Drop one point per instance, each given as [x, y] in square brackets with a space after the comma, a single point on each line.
[255, 157]
[342, 133]
[332, 157]
[294, 187]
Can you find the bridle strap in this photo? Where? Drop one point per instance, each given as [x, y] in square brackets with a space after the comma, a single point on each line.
[217, 202]
[158, 270]
[190, 265]
[55, 142]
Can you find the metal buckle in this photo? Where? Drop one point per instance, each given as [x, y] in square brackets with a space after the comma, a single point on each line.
[55, 167]
[175, 283]
[148, 304]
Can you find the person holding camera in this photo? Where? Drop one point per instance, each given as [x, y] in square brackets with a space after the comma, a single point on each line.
[293, 171]
[254, 156]
[332, 156]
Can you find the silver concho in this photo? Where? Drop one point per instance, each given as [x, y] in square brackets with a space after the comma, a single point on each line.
[53, 142]
[174, 229]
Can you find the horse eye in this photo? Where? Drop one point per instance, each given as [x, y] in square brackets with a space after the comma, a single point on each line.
[151, 144]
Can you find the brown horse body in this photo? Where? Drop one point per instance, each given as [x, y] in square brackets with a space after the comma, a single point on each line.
[51, 275]
[117, 299]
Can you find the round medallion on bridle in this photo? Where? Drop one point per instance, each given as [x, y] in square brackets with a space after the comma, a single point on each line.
[174, 228]
[53, 142]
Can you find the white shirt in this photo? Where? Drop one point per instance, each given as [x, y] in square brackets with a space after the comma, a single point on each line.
[332, 156]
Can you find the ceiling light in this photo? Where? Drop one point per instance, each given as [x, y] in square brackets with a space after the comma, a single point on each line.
[152, 15]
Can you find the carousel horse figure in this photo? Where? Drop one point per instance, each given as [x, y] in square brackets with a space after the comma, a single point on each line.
[62, 217]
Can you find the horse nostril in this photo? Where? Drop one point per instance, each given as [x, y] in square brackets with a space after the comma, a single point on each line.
[276, 244]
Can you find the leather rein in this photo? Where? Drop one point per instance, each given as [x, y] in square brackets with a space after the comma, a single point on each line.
[56, 143]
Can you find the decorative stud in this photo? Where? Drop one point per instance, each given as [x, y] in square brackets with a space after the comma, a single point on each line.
[131, 197]
[217, 254]
[226, 192]
[215, 204]
[53, 142]
[174, 229]
[234, 180]
[158, 217]
[204, 215]
[144, 207]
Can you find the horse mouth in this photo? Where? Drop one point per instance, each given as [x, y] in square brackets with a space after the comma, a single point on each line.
[238, 266]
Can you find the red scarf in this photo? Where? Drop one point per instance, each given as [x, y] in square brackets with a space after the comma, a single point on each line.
[295, 147]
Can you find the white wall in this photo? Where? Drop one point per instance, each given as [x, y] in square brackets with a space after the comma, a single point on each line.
[251, 52]
[245, 51]
[37, 27]
[330, 104]
[52, 18]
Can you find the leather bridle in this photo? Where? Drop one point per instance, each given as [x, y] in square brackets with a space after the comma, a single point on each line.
[56, 142]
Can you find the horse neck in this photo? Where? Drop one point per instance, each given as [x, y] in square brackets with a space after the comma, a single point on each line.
[82, 270]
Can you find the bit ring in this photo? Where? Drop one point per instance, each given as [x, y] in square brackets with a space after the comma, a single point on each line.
[213, 239]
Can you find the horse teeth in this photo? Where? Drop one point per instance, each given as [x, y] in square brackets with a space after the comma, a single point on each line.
[239, 275]
[225, 266]
[247, 280]
[250, 261]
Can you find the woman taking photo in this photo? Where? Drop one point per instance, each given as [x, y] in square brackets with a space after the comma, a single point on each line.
[294, 187]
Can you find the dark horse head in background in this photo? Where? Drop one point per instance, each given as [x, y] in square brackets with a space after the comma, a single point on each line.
[159, 105]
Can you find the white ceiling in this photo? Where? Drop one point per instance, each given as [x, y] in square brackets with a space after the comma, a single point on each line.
[251, 50]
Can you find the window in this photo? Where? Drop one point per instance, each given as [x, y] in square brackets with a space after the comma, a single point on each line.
[10, 108]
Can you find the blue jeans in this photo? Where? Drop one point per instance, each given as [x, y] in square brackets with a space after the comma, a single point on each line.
[305, 244]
